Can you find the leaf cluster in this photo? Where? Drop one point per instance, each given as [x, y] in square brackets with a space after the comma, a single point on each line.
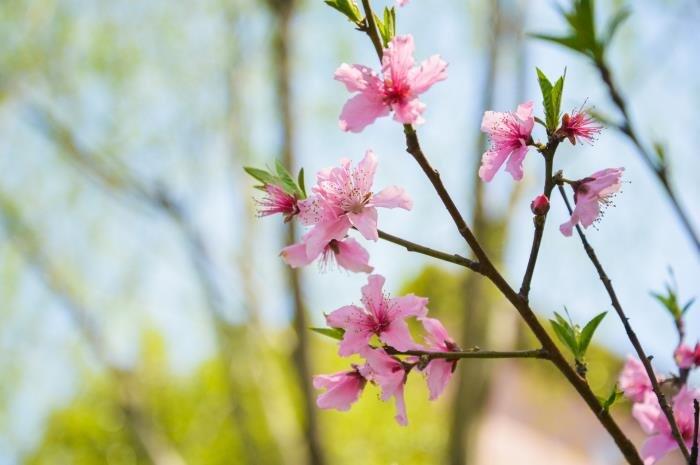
[572, 336]
[551, 99]
[280, 177]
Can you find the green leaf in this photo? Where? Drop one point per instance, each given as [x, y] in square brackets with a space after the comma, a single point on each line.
[607, 402]
[286, 182]
[587, 333]
[551, 99]
[334, 333]
[571, 42]
[566, 335]
[389, 25]
[347, 7]
[687, 306]
[614, 24]
[260, 175]
[300, 182]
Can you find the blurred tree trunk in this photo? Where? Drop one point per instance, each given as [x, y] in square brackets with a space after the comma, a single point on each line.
[282, 41]
[480, 301]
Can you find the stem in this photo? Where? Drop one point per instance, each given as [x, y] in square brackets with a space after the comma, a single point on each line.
[521, 305]
[413, 247]
[646, 361]
[472, 353]
[540, 220]
[694, 450]
[659, 171]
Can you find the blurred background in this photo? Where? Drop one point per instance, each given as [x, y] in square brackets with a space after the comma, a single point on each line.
[145, 316]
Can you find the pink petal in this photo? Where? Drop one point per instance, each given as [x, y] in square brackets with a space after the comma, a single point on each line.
[587, 211]
[311, 210]
[409, 112]
[648, 414]
[343, 389]
[491, 161]
[356, 77]
[491, 120]
[363, 176]
[437, 334]
[438, 374]
[347, 317]
[400, 403]
[366, 222]
[567, 228]
[320, 235]
[295, 255]
[353, 257]
[392, 197]
[432, 70]
[354, 342]
[524, 112]
[656, 447]
[360, 111]
[398, 59]
[515, 163]
[398, 336]
[372, 291]
[409, 305]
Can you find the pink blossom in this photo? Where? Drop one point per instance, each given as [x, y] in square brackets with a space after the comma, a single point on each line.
[653, 421]
[634, 381]
[687, 356]
[348, 200]
[342, 389]
[540, 205]
[579, 126]
[439, 371]
[510, 135]
[277, 201]
[396, 90]
[347, 253]
[381, 316]
[390, 374]
[589, 194]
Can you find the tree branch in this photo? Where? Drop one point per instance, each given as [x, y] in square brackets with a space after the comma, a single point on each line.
[444, 256]
[632, 336]
[472, 353]
[413, 147]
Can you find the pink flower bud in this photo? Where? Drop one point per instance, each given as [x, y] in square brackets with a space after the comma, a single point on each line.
[540, 205]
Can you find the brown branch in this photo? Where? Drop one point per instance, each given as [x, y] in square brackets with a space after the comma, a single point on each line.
[521, 305]
[659, 170]
[631, 335]
[694, 449]
[444, 256]
[540, 220]
[472, 353]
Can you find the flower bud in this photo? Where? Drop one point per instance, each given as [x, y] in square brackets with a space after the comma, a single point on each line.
[540, 205]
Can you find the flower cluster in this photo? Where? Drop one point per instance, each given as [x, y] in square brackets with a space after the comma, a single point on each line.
[637, 387]
[388, 365]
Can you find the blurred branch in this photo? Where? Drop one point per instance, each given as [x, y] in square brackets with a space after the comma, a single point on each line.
[475, 352]
[118, 179]
[151, 439]
[657, 165]
[282, 41]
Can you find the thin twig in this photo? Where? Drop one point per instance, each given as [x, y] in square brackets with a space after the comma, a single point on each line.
[472, 353]
[632, 336]
[694, 448]
[659, 170]
[444, 256]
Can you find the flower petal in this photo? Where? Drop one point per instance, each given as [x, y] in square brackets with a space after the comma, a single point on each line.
[397, 60]
[491, 161]
[432, 70]
[295, 255]
[409, 112]
[356, 78]
[392, 197]
[515, 163]
[366, 222]
[438, 374]
[398, 336]
[360, 111]
[353, 257]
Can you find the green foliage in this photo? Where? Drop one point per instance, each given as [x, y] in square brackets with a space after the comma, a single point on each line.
[333, 333]
[279, 177]
[608, 401]
[671, 302]
[348, 8]
[387, 27]
[582, 36]
[551, 99]
[573, 337]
